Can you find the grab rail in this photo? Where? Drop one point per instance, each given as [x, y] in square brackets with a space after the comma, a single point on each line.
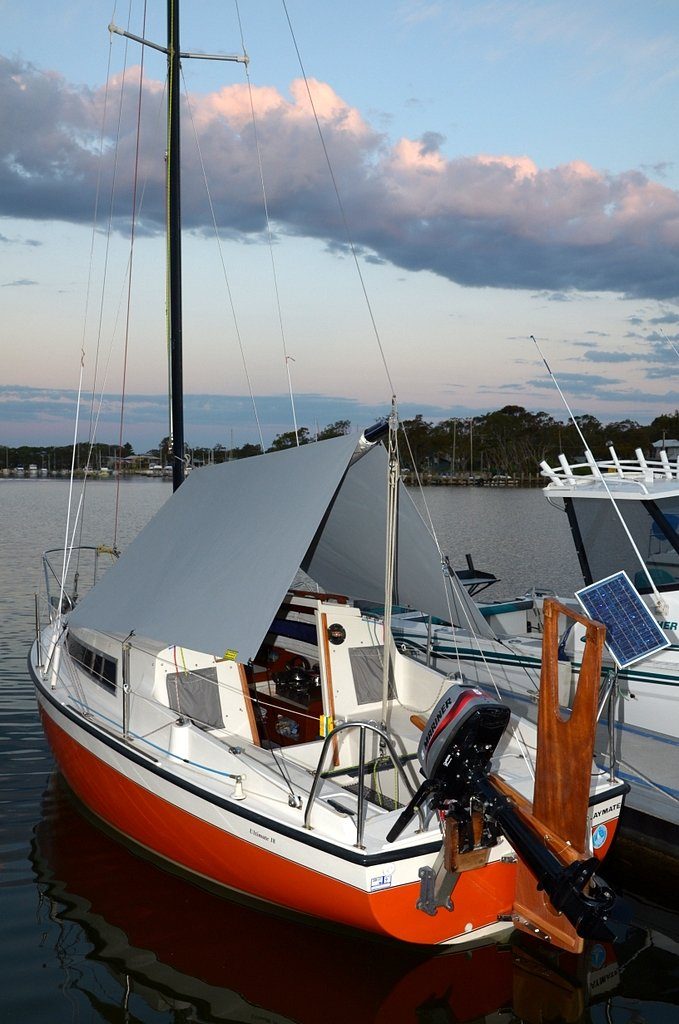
[363, 728]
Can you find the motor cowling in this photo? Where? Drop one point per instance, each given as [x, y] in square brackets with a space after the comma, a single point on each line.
[459, 740]
[457, 744]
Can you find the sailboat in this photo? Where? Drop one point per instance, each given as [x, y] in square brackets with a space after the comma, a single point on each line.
[276, 742]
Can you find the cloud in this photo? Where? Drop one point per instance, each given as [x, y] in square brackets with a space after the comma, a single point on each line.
[46, 416]
[581, 384]
[666, 318]
[485, 220]
[596, 393]
[657, 372]
[650, 350]
[4, 240]
[19, 283]
[412, 12]
[598, 356]
[555, 296]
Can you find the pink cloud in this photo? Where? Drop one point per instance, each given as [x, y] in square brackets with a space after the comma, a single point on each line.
[483, 219]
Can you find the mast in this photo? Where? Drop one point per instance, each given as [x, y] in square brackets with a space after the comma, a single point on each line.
[174, 237]
[174, 242]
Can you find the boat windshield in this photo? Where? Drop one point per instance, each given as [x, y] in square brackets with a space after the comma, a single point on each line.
[605, 548]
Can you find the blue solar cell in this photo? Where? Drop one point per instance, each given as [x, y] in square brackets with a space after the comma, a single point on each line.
[631, 631]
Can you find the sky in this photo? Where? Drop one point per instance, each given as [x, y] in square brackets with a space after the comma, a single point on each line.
[442, 180]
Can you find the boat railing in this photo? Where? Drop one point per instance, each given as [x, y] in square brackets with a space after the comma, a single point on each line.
[71, 572]
[639, 470]
[330, 743]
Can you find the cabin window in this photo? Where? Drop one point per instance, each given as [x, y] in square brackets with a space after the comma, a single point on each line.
[653, 525]
[97, 665]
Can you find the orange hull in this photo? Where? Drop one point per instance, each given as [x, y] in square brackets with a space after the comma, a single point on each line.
[480, 896]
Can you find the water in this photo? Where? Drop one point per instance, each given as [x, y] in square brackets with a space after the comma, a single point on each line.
[511, 531]
[92, 932]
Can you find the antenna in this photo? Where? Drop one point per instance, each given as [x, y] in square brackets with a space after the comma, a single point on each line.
[670, 343]
[660, 604]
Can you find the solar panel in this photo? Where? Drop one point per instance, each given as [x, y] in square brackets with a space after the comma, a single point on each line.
[631, 631]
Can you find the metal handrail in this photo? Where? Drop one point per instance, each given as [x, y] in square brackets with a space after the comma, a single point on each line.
[50, 571]
[363, 728]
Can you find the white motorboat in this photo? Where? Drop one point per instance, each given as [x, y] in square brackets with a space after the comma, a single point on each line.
[623, 515]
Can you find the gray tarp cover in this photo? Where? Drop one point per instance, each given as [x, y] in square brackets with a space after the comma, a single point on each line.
[348, 553]
[211, 569]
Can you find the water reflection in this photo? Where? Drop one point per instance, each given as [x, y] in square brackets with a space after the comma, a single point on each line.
[138, 943]
[119, 940]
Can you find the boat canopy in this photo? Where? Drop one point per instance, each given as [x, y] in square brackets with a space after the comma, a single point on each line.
[210, 571]
[347, 555]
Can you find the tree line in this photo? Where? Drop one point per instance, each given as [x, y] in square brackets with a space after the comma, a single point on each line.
[508, 442]
[513, 441]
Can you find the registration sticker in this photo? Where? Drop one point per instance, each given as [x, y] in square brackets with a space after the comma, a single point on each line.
[382, 881]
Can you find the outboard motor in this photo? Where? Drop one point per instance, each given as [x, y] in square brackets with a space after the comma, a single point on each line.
[460, 739]
[455, 752]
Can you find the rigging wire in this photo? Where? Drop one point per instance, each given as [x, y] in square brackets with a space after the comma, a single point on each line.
[94, 419]
[69, 539]
[457, 589]
[340, 204]
[223, 262]
[107, 253]
[95, 220]
[354, 254]
[356, 261]
[94, 427]
[67, 550]
[133, 227]
[286, 356]
[95, 217]
[111, 199]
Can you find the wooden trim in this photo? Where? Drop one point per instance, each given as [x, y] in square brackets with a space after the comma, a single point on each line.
[339, 598]
[327, 677]
[249, 710]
